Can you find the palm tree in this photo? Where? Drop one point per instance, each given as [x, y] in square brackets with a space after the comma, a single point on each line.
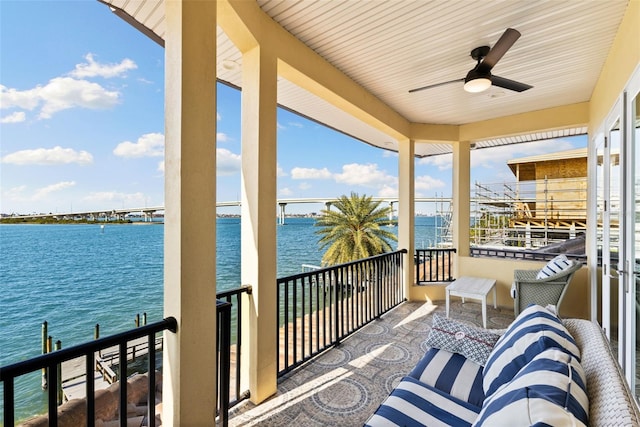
[354, 230]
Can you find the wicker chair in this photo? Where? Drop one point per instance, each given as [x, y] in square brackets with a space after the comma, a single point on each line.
[529, 290]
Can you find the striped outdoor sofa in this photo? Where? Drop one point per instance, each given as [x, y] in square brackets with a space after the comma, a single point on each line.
[540, 371]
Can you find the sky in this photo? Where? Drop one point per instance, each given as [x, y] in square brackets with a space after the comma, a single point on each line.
[82, 125]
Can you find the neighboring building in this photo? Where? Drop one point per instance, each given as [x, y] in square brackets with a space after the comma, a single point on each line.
[547, 203]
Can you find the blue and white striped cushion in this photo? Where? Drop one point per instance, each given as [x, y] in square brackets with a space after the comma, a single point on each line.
[549, 391]
[534, 330]
[553, 267]
[413, 404]
[451, 373]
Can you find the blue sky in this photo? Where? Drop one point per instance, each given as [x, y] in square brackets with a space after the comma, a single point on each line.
[82, 125]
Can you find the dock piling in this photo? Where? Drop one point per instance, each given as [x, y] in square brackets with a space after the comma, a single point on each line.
[44, 351]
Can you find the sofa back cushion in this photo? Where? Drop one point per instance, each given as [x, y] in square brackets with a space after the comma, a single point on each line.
[550, 390]
[532, 332]
[451, 373]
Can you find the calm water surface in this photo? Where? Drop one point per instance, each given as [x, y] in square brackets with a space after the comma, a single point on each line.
[74, 276]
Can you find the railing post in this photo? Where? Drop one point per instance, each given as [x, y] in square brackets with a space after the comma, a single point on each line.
[224, 339]
[59, 375]
[122, 371]
[336, 304]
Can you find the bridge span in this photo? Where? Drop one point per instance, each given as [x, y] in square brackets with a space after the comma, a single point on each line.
[148, 212]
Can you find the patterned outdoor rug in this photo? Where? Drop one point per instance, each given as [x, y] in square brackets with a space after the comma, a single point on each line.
[345, 385]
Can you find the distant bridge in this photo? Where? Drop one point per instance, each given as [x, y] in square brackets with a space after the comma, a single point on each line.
[148, 212]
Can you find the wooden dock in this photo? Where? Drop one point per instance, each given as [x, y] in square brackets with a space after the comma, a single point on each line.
[74, 373]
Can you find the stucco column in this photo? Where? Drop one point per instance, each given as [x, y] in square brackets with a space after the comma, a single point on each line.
[461, 199]
[189, 357]
[406, 209]
[259, 207]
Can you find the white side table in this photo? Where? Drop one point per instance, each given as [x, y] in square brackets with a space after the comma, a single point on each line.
[474, 288]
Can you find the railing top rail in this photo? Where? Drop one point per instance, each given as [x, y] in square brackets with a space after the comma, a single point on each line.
[235, 291]
[338, 266]
[524, 255]
[62, 355]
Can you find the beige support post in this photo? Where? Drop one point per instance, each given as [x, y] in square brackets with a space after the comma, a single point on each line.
[189, 357]
[258, 223]
[461, 200]
[406, 210]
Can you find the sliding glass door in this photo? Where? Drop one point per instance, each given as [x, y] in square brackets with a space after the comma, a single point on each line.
[632, 235]
[617, 233]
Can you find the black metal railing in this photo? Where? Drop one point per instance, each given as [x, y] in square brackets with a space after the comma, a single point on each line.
[434, 265]
[234, 297]
[521, 255]
[51, 361]
[318, 309]
[223, 359]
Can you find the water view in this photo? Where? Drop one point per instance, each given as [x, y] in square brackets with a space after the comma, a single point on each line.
[74, 276]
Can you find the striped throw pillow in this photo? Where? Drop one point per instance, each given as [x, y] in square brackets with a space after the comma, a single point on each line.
[553, 267]
[549, 391]
[534, 330]
[451, 373]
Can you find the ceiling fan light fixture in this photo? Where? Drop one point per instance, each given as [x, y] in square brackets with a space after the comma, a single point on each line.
[477, 82]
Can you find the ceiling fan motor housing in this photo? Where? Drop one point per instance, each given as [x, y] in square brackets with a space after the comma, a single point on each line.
[480, 52]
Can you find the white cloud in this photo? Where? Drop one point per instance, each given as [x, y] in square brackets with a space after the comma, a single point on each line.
[296, 125]
[280, 172]
[48, 156]
[426, 182]
[111, 196]
[310, 173]
[148, 145]
[15, 193]
[61, 93]
[27, 99]
[218, 116]
[228, 163]
[285, 192]
[43, 192]
[442, 162]
[16, 117]
[222, 137]
[387, 191]
[367, 175]
[304, 186]
[95, 69]
[161, 166]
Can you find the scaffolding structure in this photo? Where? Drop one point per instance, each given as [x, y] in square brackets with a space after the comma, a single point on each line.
[528, 214]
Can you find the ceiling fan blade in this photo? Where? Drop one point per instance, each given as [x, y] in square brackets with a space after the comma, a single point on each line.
[435, 85]
[504, 43]
[509, 84]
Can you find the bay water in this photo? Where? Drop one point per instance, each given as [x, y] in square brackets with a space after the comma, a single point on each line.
[77, 276]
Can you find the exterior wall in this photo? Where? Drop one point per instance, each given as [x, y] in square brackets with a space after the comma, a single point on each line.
[566, 168]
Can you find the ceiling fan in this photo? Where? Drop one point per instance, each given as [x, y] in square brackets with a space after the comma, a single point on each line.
[480, 77]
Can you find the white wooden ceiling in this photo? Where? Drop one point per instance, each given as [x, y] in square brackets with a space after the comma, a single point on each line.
[392, 46]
